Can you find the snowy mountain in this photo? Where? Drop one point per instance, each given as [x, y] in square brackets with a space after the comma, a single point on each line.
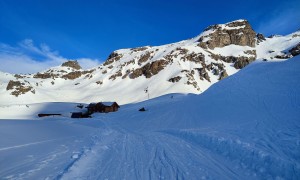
[189, 66]
[244, 127]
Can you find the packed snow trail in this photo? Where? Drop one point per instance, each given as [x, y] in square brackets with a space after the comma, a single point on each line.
[245, 127]
[151, 156]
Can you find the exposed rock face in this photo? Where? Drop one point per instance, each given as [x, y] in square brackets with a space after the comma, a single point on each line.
[237, 32]
[149, 69]
[72, 75]
[144, 58]
[76, 74]
[223, 75]
[203, 74]
[260, 37]
[19, 88]
[45, 75]
[117, 74]
[197, 58]
[175, 79]
[295, 51]
[283, 56]
[112, 58]
[72, 64]
[241, 62]
[139, 49]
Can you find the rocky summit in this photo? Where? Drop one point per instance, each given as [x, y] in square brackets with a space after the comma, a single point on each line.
[237, 32]
[189, 66]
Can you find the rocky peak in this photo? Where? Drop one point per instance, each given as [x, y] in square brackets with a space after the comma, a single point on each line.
[237, 32]
[72, 64]
[260, 37]
[114, 56]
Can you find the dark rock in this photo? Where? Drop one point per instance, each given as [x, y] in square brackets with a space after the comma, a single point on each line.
[295, 51]
[203, 74]
[144, 58]
[72, 64]
[223, 75]
[45, 75]
[175, 79]
[19, 76]
[241, 62]
[260, 37]
[99, 82]
[72, 75]
[139, 49]
[216, 72]
[19, 88]
[112, 58]
[114, 76]
[283, 56]
[11, 84]
[193, 57]
[142, 109]
[149, 69]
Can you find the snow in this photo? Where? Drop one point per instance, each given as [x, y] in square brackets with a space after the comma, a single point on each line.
[244, 127]
[233, 50]
[276, 45]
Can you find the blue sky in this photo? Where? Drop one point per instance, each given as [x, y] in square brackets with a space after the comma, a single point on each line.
[90, 30]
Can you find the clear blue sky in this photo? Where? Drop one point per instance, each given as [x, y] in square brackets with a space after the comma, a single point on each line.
[93, 29]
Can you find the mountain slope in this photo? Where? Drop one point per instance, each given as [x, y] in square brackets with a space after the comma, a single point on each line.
[244, 127]
[189, 66]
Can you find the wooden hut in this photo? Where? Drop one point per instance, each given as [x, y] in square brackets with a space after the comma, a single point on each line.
[103, 107]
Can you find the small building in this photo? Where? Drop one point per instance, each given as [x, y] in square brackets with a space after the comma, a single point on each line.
[76, 115]
[47, 114]
[80, 115]
[103, 107]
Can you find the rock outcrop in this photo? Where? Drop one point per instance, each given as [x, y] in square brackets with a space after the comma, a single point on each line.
[114, 56]
[260, 37]
[236, 32]
[175, 79]
[295, 51]
[149, 69]
[72, 64]
[19, 88]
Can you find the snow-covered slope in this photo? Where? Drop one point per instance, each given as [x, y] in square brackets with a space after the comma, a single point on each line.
[244, 127]
[189, 66]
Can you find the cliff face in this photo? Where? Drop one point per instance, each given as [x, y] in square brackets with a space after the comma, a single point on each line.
[238, 32]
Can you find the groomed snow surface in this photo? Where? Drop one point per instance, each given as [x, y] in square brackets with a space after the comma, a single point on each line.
[244, 127]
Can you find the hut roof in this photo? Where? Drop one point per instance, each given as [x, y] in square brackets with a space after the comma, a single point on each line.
[107, 103]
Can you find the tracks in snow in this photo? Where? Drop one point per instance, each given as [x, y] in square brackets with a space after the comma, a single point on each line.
[153, 155]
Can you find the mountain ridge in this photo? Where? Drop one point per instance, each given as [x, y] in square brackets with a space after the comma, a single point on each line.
[188, 66]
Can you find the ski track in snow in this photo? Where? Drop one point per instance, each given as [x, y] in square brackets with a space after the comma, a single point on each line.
[30, 144]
